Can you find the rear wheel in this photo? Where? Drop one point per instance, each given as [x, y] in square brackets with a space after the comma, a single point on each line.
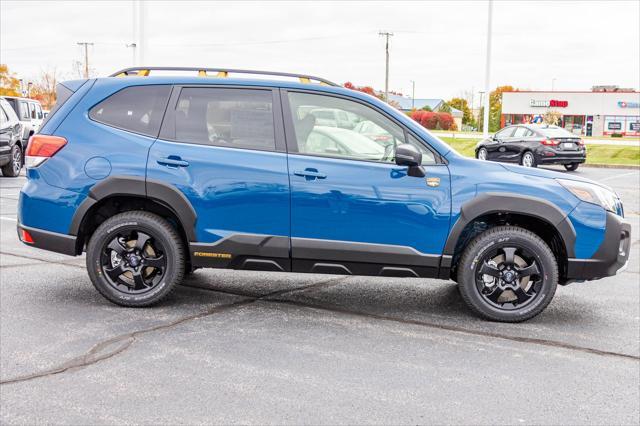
[13, 167]
[571, 167]
[528, 159]
[507, 274]
[135, 259]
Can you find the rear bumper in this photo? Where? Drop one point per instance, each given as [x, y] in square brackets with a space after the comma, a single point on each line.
[559, 157]
[52, 241]
[611, 257]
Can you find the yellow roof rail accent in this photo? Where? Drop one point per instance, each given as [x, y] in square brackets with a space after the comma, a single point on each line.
[143, 73]
[122, 74]
[305, 80]
[202, 73]
[222, 74]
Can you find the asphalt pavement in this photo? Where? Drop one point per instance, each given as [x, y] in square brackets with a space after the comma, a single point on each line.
[264, 348]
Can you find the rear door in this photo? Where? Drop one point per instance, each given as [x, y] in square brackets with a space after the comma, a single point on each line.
[353, 210]
[224, 149]
[514, 145]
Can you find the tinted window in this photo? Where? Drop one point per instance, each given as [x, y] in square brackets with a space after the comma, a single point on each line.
[32, 110]
[235, 118]
[39, 111]
[24, 111]
[505, 133]
[138, 109]
[555, 132]
[520, 132]
[4, 119]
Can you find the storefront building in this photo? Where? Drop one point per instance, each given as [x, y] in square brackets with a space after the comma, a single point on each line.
[583, 113]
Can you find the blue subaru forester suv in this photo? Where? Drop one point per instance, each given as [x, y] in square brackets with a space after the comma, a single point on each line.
[155, 176]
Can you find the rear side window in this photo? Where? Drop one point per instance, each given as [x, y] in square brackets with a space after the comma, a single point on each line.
[234, 118]
[24, 111]
[138, 109]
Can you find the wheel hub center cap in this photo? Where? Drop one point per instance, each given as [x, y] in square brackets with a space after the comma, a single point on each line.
[509, 276]
[133, 260]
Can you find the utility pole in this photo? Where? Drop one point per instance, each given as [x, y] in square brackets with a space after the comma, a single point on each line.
[472, 104]
[487, 75]
[86, 56]
[386, 34]
[413, 94]
[553, 84]
[480, 107]
[141, 41]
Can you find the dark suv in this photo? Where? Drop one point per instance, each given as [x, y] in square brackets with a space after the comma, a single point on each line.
[532, 144]
[155, 176]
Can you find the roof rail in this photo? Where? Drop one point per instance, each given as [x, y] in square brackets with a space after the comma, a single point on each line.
[220, 72]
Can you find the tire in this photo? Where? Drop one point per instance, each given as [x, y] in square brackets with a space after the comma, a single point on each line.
[13, 167]
[130, 269]
[528, 159]
[482, 154]
[572, 167]
[507, 299]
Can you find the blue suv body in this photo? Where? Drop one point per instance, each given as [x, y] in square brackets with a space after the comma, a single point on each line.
[156, 176]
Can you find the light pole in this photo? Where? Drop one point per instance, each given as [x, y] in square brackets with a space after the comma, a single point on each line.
[386, 34]
[487, 75]
[480, 107]
[413, 94]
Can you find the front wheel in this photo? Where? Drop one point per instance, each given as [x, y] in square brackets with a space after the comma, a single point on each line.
[135, 259]
[571, 167]
[528, 159]
[482, 154]
[507, 274]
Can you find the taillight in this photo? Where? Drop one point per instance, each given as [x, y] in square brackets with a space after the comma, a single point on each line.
[550, 142]
[26, 237]
[42, 147]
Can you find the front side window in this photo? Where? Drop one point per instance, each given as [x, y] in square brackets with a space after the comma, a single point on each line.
[368, 135]
[24, 111]
[234, 118]
[520, 132]
[505, 133]
[138, 109]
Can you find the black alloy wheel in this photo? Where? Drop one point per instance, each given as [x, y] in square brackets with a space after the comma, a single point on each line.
[572, 167]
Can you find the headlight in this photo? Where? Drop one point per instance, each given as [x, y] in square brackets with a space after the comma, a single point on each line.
[591, 193]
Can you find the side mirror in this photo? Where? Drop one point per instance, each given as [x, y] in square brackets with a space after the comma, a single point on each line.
[408, 155]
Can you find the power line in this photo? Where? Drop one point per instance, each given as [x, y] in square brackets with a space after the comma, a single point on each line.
[86, 56]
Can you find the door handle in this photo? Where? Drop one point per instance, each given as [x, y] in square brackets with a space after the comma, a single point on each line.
[310, 174]
[172, 161]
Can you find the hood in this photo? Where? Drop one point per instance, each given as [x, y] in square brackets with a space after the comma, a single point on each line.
[550, 174]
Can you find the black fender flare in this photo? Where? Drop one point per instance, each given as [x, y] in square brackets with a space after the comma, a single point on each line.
[499, 202]
[155, 190]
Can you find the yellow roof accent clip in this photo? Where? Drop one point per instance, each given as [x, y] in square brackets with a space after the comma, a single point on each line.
[202, 73]
[305, 80]
[222, 74]
[143, 73]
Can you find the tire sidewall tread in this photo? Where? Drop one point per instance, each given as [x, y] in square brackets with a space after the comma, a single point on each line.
[161, 230]
[475, 251]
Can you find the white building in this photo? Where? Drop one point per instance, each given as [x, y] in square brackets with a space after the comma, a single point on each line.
[595, 113]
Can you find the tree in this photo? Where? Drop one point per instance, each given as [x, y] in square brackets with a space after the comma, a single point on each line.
[426, 108]
[44, 89]
[9, 84]
[462, 105]
[552, 117]
[495, 106]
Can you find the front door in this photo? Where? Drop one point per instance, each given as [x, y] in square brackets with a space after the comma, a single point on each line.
[223, 149]
[353, 210]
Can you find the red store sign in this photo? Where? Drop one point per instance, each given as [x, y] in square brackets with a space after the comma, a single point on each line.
[553, 103]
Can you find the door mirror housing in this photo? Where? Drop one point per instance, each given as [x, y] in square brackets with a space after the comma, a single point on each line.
[408, 155]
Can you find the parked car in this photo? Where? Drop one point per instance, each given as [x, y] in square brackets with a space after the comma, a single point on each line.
[333, 117]
[531, 145]
[30, 114]
[155, 176]
[11, 144]
[371, 130]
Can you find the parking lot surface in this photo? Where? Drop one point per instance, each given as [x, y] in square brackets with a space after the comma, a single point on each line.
[255, 347]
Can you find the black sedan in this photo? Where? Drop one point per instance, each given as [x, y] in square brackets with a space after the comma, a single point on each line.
[532, 144]
[11, 149]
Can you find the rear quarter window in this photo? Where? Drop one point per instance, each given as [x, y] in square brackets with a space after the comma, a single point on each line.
[137, 109]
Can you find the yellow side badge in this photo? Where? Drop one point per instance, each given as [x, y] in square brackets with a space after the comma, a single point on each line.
[215, 255]
[433, 181]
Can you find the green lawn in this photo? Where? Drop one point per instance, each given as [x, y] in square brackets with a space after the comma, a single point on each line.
[596, 153]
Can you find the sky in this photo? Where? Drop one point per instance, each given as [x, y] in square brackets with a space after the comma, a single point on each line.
[571, 45]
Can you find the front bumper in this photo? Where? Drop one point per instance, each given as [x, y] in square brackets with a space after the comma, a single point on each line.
[47, 240]
[611, 257]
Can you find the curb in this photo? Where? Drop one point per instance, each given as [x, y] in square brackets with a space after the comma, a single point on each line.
[612, 166]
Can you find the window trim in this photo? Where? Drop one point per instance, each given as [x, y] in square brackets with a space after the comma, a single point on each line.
[168, 128]
[292, 141]
[166, 102]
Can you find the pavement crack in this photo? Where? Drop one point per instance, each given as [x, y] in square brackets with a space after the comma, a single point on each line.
[115, 345]
[53, 262]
